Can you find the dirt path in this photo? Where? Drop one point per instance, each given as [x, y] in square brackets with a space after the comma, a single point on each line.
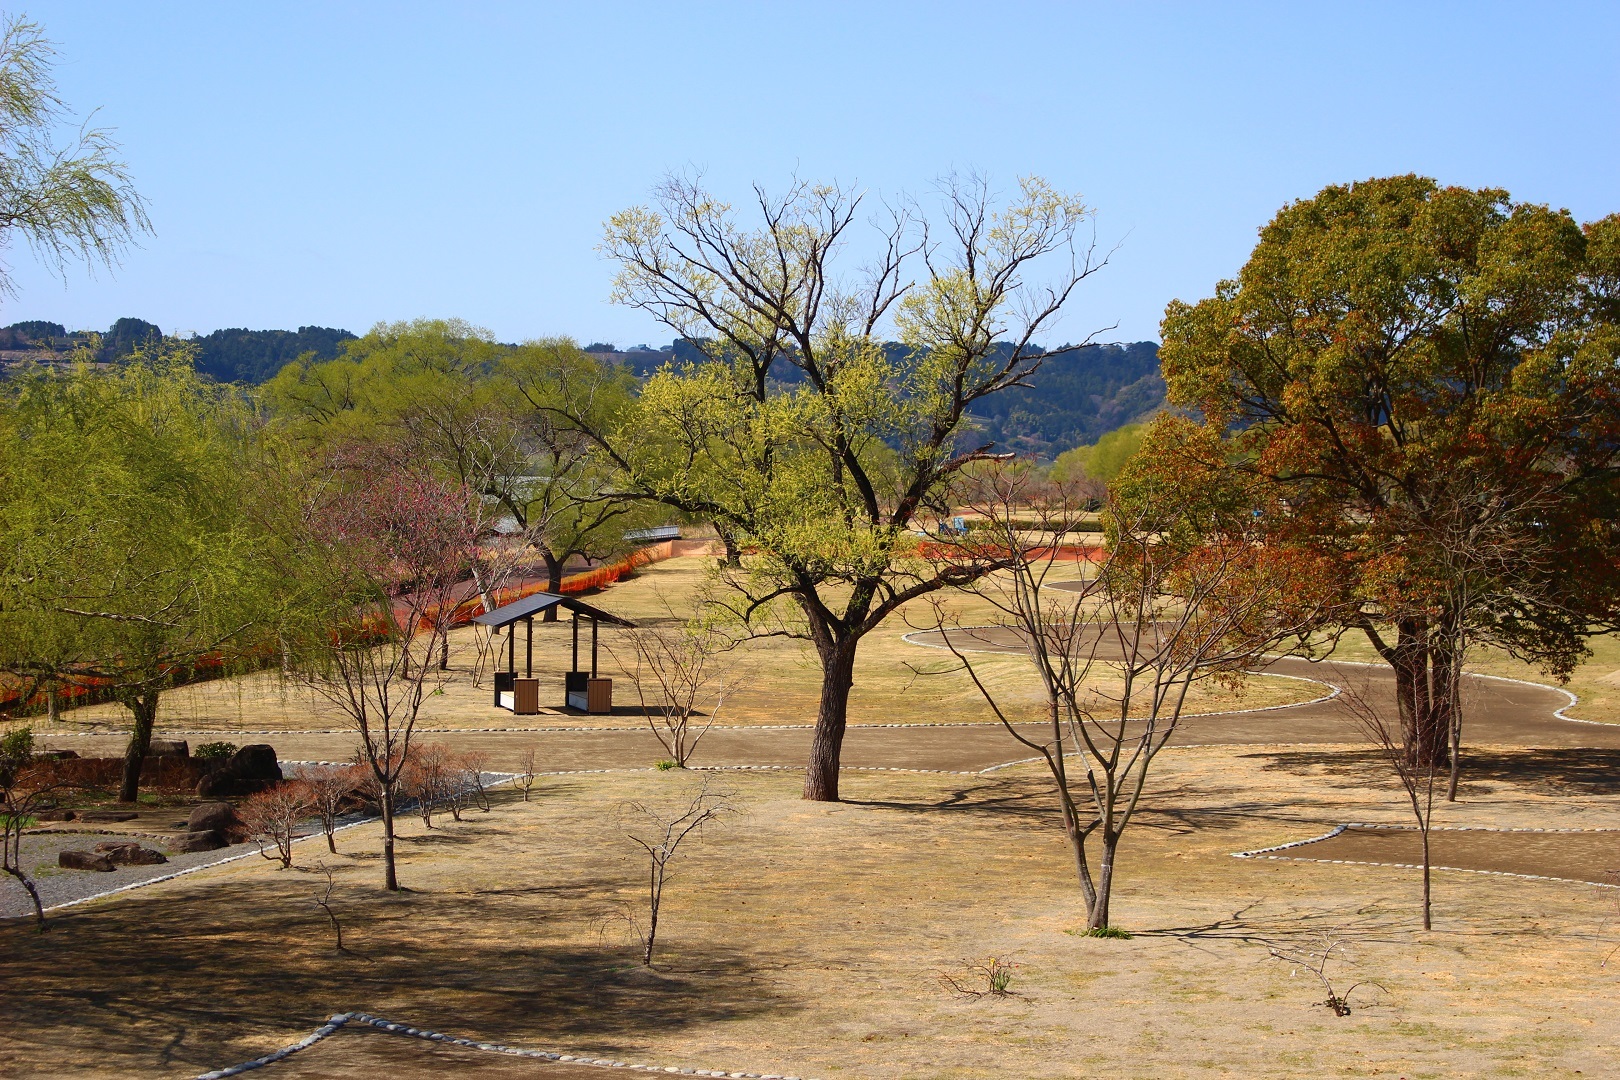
[1572, 856]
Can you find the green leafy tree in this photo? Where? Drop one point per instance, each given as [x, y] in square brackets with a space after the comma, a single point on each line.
[1102, 460]
[825, 478]
[1425, 380]
[449, 397]
[132, 554]
[68, 201]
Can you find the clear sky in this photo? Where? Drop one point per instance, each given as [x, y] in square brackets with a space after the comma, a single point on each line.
[339, 164]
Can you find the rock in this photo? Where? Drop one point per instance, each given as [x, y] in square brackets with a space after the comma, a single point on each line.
[214, 817]
[107, 815]
[56, 755]
[168, 748]
[57, 815]
[187, 842]
[251, 769]
[84, 860]
[254, 762]
[120, 854]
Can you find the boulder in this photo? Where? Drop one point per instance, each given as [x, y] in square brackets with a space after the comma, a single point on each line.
[129, 853]
[251, 769]
[57, 815]
[84, 860]
[187, 842]
[56, 755]
[168, 748]
[255, 762]
[217, 817]
[107, 815]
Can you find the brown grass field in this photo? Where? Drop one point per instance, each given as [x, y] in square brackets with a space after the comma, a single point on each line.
[810, 940]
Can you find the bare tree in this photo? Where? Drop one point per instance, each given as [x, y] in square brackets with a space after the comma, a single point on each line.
[678, 673]
[26, 788]
[1117, 651]
[660, 830]
[526, 775]
[464, 777]
[1418, 777]
[271, 817]
[428, 778]
[1316, 959]
[331, 790]
[387, 550]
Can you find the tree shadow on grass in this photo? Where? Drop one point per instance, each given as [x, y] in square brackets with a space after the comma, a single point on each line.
[197, 979]
[1564, 771]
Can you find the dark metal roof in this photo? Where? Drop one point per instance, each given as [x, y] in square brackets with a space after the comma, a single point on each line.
[532, 605]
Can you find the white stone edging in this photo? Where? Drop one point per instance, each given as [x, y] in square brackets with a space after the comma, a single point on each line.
[1266, 852]
[341, 1020]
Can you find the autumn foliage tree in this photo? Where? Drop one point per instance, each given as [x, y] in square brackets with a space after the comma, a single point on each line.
[1423, 383]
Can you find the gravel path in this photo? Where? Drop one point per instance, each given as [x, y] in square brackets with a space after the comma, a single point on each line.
[57, 886]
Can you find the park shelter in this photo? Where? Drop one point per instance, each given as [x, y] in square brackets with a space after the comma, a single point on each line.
[582, 690]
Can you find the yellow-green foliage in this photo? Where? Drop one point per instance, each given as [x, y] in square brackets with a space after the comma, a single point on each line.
[1103, 459]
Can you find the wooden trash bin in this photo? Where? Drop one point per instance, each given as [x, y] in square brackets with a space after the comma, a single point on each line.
[526, 696]
[599, 696]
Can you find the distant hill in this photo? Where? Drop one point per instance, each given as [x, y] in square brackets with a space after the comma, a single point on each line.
[236, 355]
[253, 356]
[1074, 399]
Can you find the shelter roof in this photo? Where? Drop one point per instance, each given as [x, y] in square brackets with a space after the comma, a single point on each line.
[535, 603]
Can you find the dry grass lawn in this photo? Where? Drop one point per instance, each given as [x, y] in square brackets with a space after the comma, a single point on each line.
[808, 940]
[772, 681]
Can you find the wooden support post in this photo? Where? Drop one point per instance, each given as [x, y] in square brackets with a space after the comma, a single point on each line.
[574, 666]
[528, 647]
[511, 649]
[593, 646]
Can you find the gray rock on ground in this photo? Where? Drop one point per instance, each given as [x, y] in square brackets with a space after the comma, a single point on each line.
[205, 840]
[168, 748]
[218, 817]
[126, 853]
[84, 860]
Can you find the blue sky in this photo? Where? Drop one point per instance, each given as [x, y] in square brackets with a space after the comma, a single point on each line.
[339, 164]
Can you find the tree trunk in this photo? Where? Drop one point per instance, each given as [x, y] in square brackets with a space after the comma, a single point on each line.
[1097, 917]
[827, 745]
[1426, 922]
[1423, 673]
[144, 708]
[733, 556]
[390, 876]
[33, 895]
[554, 576]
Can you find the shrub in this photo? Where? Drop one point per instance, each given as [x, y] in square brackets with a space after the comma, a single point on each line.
[211, 750]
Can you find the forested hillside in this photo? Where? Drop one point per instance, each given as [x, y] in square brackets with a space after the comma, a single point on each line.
[1075, 398]
[245, 356]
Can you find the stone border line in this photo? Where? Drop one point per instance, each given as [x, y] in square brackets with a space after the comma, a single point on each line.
[1266, 852]
[560, 730]
[342, 1020]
